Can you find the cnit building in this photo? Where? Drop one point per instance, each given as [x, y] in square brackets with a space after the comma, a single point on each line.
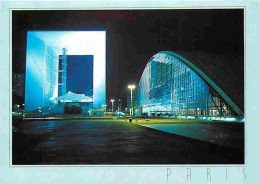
[191, 84]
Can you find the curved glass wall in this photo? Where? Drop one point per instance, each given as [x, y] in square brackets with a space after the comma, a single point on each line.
[170, 87]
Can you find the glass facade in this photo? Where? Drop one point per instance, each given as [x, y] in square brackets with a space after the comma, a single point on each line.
[63, 73]
[41, 80]
[46, 77]
[50, 77]
[170, 87]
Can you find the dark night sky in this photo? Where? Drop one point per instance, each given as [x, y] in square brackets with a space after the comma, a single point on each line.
[134, 36]
[80, 74]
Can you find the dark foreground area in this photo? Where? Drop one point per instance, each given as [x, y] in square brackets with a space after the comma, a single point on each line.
[86, 142]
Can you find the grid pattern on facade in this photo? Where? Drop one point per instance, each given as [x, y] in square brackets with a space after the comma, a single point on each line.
[50, 76]
[64, 71]
[168, 86]
[62, 80]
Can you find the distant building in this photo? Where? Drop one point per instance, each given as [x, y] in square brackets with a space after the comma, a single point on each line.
[18, 84]
[119, 107]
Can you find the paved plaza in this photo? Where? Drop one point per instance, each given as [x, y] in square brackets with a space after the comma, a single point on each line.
[106, 142]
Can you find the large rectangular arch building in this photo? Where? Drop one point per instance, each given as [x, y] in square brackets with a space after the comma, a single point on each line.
[42, 57]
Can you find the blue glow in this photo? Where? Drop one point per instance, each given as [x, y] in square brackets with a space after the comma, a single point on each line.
[43, 49]
[170, 86]
[190, 117]
[230, 119]
[80, 74]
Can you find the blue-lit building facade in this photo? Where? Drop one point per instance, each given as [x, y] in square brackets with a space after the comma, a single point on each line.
[171, 85]
[62, 73]
[41, 84]
[62, 62]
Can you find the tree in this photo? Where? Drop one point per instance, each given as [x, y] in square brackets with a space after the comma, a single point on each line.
[72, 110]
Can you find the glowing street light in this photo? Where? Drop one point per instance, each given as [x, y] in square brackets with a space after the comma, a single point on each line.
[49, 108]
[40, 110]
[18, 108]
[131, 87]
[112, 100]
[23, 114]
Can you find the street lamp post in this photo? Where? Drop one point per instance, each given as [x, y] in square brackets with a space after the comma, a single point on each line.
[112, 100]
[131, 87]
[18, 109]
[49, 108]
[40, 110]
[23, 114]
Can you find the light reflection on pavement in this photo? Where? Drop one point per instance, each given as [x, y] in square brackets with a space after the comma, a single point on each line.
[73, 142]
[222, 134]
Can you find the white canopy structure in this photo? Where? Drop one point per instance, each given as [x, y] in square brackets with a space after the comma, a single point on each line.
[73, 97]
